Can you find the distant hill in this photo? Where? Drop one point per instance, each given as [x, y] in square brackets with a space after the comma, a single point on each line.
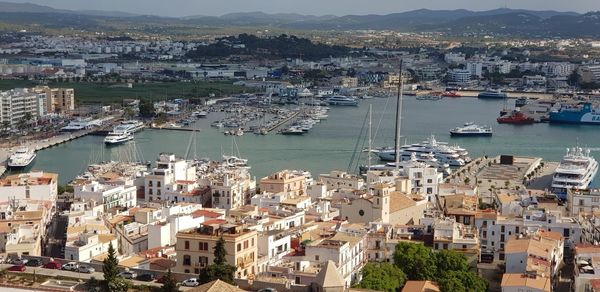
[516, 22]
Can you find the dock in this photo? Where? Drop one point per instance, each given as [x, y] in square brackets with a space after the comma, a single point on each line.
[40, 145]
[185, 129]
[295, 114]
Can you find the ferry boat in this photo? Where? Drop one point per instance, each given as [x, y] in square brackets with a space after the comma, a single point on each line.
[453, 156]
[131, 126]
[583, 113]
[342, 100]
[471, 130]
[492, 94]
[576, 171]
[115, 138]
[517, 118]
[21, 158]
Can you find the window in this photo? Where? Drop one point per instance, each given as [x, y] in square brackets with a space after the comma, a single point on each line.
[502, 229]
[595, 200]
[186, 245]
[516, 229]
[252, 242]
[203, 261]
[361, 213]
[566, 232]
[150, 183]
[158, 184]
[245, 244]
[187, 260]
[202, 245]
[316, 258]
[239, 247]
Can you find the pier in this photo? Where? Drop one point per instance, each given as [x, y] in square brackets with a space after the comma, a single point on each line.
[295, 114]
[185, 129]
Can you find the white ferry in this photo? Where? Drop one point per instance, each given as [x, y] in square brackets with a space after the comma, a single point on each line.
[21, 158]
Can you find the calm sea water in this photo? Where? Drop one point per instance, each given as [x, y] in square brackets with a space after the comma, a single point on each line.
[331, 144]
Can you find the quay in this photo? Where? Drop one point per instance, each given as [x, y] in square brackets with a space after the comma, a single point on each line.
[40, 145]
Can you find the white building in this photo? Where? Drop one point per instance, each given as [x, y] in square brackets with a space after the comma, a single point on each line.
[40, 185]
[16, 104]
[169, 169]
[341, 180]
[475, 68]
[459, 76]
[108, 195]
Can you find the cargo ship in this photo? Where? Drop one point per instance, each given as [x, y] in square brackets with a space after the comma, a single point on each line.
[517, 118]
[583, 113]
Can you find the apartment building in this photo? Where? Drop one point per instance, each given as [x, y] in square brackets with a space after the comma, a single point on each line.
[583, 201]
[586, 268]
[169, 169]
[232, 189]
[284, 182]
[195, 247]
[23, 225]
[450, 235]
[109, 195]
[341, 180]
[58, 100]
[540, 253]
[38, 185]
[17, 104]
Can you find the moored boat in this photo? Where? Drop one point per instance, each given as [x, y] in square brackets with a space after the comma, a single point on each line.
[516, 118]
[471, 130]
[21, 158]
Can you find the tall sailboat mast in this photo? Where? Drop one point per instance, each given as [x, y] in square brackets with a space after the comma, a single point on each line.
[398, 118]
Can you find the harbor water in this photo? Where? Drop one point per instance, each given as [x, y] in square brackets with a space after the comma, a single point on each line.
[331, 144]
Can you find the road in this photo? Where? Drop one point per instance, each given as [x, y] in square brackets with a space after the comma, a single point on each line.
[82, 276]
[55, 236]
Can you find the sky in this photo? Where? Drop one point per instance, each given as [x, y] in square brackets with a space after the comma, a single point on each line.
[314, 7]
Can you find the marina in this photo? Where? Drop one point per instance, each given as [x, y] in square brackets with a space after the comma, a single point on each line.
[331, 144]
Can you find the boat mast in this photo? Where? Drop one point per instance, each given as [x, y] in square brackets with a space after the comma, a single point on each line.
[370, 137]
[398, 118]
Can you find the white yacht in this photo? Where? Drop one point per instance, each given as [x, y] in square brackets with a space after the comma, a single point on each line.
[21, 158]
[115, 138]
[576, 171]
[342, 100]
[451, 155]
[131, 126]
[471, 130]
[234, 161]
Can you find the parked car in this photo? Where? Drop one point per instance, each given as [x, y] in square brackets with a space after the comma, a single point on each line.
[191, 282]
[86, 269]
[17, 268]
[52, 265]
[19, 261]
[128, 274]
[34, 263]
[145, 277]
[70, 266]
[267, 290]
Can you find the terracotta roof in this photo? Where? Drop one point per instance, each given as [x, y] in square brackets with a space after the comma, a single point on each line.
[216, 286]
[420, 286]
[521, 280]
[205, 213]
[399, 201]
[329, 277]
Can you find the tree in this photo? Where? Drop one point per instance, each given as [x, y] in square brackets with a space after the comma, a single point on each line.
[381, 277]
[415, 260]
[111, 265]
[220, 270]
[169, 283]
[461, 281]
[146, 109]
[447, 260]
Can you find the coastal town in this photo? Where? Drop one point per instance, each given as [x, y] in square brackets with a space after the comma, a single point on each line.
[109, 178]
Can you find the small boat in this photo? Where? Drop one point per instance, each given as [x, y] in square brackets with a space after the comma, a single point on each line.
[21, 158]
[217, 125]
[517, 118]
[521, 102]
[430, 97]
[471, 130]
[200, 114]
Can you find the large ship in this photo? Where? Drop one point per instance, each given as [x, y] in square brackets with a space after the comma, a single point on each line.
[583, 113]
[492, 94]
[442, 152]
[471, 130]
[21, 158]
[576, 171]
[115, 138]
[515, 117]
[342, 100]
[131, 126]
